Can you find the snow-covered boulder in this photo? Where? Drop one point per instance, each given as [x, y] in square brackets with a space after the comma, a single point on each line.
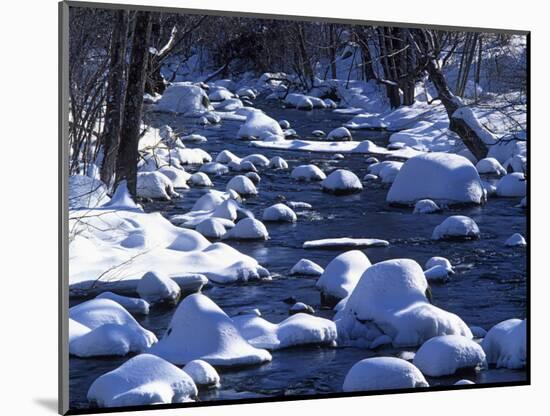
[456, 227]
[86, 192]
[200, 179]
[437, 273]
[242, 185]
[339, 134]
[299, 205]
[246, 92]
[446, 354]
[438, 261]
[300, 101]
[425, 206]
[506, 344]
[318, 133]
[202, 373]
[133, 305]
[199, 329]
[278, 162]
[464, 382]
[341, 182]
[193, 138]
[254, 177]
[157, 288]
[110, 330]
[190, 156]
[298, 329]
[260, 126]
[490, 165]
[307, 268]
[279, 213]
[390, 299]
[300, 307]
[382, 373]
[214, 168]
[284, 124]
[178, 176]
[248, 229]
[211, 228]
[442, 177]
[155, 185]
[341, 276]
[389, 171]
[515, 240]
[370, 177]
[512, 185]
[140, 381]
[219, 94]
[257, 160]
[183, 98]
[307, 173]
[231, 104]
[226, 156]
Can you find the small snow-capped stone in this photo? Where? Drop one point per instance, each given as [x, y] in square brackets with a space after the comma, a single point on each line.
[226, 156]
[506, 344]
[338, 156]
[515, 240]
[200, 179]
[214, 168]
[490, 165]
[284, 124]
[298, 205]
[300, 307]
[307, 173]
[425, 206]
[464, 382]
[178, 176]
[242, 185]
[279, 213]
[156, 288]
[254, 177]
[211, 228]
[248, 229]
[278, 162]
[257, 159]
[193, 138]
[132, 305]
[202, 373]
[371, 160]
[306, 267]
[342, 181]
[318, 133]
[437, 273]
[456, 227]
[339, 134]
[155, 185]
[370, 177]
[512, 185]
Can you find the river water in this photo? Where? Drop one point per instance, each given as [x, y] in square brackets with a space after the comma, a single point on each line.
[489, 285]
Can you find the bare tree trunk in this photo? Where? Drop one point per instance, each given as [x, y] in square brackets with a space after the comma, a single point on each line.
[332, 50]
[127, 159]
[115, 96]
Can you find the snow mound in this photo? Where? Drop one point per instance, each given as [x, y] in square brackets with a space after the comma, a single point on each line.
[389, 171]
[219, 94]
[342, 181]
[202, 373]
[142, 380]
[512, 185]
[390, 299]
[438, 261]
[226, 156]
[183, 98]
[211, 227]
[155, 185]
[201, 330]
[300, 307]
[200, 179]
[300, 101]
[193, 138]
[307, 173]
[437, 273]
[86, 192]
[178, 176]
[156, 288]
[284, 124]
[279, 213]
[506, 344]
[132, 305]
[248, 229]
[446, 354]
[191, 156]
[258, 125]
[298, 329]
[425, 206]
[242, 185]
[382, 373]
[490, 165]
[345, 242]
[214, 168]
[278, 162]
[456, 227]
[438, 176]
[342, 274]
[257, 159]
[339, 134]
[111, 330]
[254, 177]
[515, 240]
[306, 267]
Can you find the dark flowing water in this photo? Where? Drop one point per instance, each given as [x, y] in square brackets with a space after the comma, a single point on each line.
[489, 286]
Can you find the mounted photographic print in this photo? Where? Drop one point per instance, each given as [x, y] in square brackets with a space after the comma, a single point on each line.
[262, 208]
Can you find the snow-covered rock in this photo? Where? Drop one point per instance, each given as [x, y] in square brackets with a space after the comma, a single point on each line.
[456, 227]
[370, 177]
[242, 185]
[279, 213]
[300, 307]
[298, 205]
[490, 165]
[156, 288]
[191, 156]
[132, 305]
[111, 330]
[382, 373]
[178, 176]
[260, 126]
[140, 381]
[199, 329]
[254, 177]
[86, 192]
[318, 133]
[389, 171]
[341, 275]
[183, 98]
[438, 176]
[298, 329]
[345, 242]
[248, 229]
[155, 185]
[307, 267]
[193, 138]
[437, 273]
[219, 94]
[390, 299]
[512, 185]
[506, 344]
[438, 261]
[445, 355]
[202, 373]
[257, 159]
[284, 124]
[515, 240]
[211, 228]
[307, 173]
[425, 206]
[278, 162]
[200, 179]
[246, 92]
[300, 101]
[231, 104]
[226, 156]
[464, 382]
[339, 134]
[214, 168]
[342, 181]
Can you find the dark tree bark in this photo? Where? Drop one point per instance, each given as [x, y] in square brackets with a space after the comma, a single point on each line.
[115, 96]
[332, 51]
[127, 159]
[392, 89]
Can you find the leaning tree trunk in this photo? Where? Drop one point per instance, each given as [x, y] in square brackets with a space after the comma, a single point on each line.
[115, 96]
[127, 158]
